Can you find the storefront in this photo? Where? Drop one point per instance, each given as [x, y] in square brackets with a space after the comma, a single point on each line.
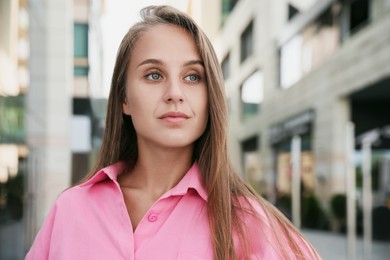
[369, 108]
[281, 136]
[299, 127]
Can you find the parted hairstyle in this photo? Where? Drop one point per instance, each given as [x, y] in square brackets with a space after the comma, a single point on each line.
[223, 185]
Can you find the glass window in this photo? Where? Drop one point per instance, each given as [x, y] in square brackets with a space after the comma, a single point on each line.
[309, 48]
[354, 15]
[359, 14]
[247, 42]
[290, 62]
[80, 71]
[80, 40]
[227, 7]
[292, 12]
[252, 95]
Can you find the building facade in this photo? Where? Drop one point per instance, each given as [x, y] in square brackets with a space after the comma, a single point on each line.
[88, 97]
[14, 80]
[64, 111]
[305, 69]
[48, 109]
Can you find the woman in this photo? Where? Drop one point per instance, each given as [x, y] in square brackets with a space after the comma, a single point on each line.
[163, 187]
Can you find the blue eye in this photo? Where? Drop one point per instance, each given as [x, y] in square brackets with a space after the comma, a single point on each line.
[153, 76]
[192, 78]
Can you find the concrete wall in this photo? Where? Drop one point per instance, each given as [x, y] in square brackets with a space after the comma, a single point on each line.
[48, 106]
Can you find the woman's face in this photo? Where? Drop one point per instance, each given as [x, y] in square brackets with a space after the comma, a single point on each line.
[166, 93]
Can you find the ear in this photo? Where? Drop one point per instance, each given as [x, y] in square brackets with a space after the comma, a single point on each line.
[126, 108]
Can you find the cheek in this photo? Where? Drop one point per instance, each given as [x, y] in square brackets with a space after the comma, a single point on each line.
[141, 103]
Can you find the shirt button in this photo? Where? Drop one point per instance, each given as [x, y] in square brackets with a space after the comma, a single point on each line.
[152, 217]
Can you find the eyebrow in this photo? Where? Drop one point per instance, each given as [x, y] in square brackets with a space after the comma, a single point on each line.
[194, 62]
[150, 61]
[159, 62]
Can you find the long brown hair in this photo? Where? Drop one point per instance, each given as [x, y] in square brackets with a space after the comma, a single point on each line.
[210, 150]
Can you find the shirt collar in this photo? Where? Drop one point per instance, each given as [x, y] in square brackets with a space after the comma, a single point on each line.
[191, 180]
[110, 172]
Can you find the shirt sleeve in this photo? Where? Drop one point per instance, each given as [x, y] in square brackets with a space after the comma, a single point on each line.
[41, 247]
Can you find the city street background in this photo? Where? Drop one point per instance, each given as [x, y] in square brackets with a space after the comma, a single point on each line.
[308, 91]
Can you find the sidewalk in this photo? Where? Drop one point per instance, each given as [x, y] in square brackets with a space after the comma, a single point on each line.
[11, 241]
[334, 246]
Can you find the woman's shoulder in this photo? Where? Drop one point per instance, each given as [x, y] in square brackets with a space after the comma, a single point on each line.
[71, 193]
[254, 209]
[264, 224]
[70, 199]
[102, 184]
[80, 195]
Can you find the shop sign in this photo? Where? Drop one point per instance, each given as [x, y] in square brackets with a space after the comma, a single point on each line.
[296, 125]
[378, 137]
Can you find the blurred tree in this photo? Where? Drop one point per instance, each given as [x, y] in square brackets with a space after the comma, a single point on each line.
[313, 216]
[12, 196]
[338, 205]
[15, 193]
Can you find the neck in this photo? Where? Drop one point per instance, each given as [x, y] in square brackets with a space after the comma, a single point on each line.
[157, 171]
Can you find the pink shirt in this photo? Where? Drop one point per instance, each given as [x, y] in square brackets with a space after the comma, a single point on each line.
[90, 221]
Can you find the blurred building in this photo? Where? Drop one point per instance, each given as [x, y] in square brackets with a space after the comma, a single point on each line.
[207, 14]
[306, 68]
[292, 68]
[14, 80]
[13, 83]
[89, 100]
[65, 103]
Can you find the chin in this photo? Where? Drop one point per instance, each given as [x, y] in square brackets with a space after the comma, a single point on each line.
[179, 145]
[175, 142]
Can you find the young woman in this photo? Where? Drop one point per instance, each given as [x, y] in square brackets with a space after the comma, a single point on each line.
[163, 187]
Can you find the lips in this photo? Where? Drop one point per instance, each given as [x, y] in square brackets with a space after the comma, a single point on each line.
[174, 117]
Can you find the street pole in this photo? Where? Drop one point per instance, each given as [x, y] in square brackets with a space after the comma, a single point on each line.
[367, 198]
[351, 190]
[296, 181]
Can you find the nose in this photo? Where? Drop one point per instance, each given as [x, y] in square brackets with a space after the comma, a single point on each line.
[174, 92]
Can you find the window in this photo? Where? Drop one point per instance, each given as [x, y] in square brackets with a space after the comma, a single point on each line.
[80, 40]
[290, 62]
[309, 48]
[358, 14]
[354, 15]
[227, 7]
[247, 42]
[292, 12]
[80, 71]
[251, 95]
[250, 144]
[80, 48]
[226, 66]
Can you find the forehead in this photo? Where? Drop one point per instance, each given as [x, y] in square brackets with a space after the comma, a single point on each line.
[165, 41]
